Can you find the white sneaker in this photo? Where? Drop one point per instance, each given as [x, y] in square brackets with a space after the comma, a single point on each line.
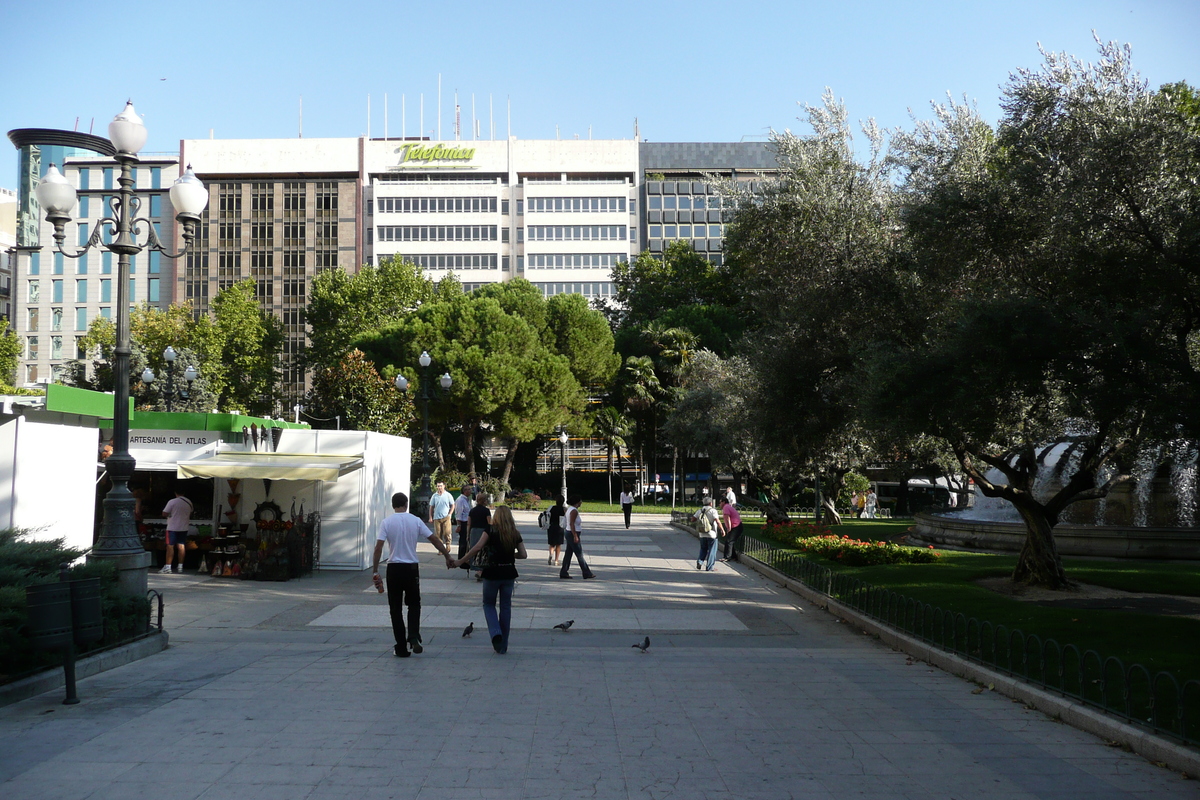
[166, 570]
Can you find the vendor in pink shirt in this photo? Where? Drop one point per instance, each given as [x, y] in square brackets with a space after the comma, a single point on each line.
[733, 530]
[179, 517]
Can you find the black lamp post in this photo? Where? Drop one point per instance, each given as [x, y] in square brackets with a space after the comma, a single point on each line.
[562, 447]
[118, 539]
[419, 504]
[190, 375]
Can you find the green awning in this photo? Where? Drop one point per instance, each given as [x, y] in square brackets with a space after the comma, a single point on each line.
[272, 466]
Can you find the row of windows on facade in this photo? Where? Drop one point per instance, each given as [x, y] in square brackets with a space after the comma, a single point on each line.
[487, 233]
[588, 289]
[108, 177]
[84, 263]
[262, 197]
[484, 205]
[459, 261]
[684, 231]
[671, 202]
[57, 291]
[265, 231]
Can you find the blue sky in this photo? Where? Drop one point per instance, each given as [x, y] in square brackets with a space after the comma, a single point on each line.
[687, 71]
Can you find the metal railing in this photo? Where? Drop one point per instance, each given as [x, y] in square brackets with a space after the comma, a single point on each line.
[1153, 700]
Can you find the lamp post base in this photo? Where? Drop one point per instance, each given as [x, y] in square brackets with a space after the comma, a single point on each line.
[132, 570]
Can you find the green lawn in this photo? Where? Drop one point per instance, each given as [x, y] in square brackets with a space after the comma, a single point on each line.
[1158, 641]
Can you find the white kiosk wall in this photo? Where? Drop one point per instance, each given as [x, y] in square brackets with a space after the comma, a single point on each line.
[48, 480]
[352, 508]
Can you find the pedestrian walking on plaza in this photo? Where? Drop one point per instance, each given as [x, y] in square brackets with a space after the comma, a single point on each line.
[709, 523]
[401, 531]
[574, 528]
[179, 518]
[626, 504]
[441, 513]
[554, 530]
[462, 511]
[498, 551]
[479, 522]
[733, 530]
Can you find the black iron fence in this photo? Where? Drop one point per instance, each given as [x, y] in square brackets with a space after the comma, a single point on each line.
[1156, 700]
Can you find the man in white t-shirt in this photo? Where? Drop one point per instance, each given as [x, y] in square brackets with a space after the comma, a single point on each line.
[401, 531]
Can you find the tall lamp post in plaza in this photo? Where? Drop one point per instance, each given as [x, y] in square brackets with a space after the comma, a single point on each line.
[420, 502]
[118, 540]
[562, 448]
[190, 375]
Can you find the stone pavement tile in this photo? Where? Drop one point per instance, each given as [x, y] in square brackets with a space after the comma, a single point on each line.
[227, 790]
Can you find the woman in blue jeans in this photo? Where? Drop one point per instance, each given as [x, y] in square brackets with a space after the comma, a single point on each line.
[504, 547]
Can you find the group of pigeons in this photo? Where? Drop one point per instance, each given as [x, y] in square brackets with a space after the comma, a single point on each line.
[644, 645]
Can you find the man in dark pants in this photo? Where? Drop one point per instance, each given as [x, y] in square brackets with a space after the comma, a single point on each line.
[574, 527]
[401, 531]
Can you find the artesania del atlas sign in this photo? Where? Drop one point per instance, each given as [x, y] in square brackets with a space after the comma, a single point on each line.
[426, 153]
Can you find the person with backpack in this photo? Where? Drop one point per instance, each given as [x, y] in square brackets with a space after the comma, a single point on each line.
[709, 524]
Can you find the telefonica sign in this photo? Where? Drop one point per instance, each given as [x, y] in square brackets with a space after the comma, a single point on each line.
[435, 152]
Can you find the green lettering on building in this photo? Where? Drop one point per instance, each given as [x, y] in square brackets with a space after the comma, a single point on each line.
[436, 152]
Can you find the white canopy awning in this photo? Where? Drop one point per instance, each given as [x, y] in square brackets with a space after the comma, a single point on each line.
[271, 466]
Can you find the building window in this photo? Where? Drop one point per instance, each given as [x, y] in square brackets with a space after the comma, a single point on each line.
[437, 233]
[576, 204]
[81, 320]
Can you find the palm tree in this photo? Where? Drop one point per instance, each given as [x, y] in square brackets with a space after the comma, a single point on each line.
[643, 390]
[611, 427]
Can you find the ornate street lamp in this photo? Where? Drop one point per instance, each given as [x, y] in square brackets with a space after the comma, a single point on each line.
[190, 375]
[562, 447]
[118, 539]
[420, 501]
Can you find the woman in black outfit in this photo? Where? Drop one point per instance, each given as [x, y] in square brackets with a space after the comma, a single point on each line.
[554, 531]
[479, 522]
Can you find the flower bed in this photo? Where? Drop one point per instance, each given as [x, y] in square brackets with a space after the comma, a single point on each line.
[817, 541]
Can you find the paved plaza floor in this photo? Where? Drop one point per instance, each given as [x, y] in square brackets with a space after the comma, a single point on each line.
[289, 691]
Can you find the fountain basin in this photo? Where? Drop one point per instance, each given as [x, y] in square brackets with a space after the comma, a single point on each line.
[1100, 541]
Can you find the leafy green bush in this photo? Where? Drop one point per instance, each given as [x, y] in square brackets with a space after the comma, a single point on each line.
[25, 563]
[856, 553]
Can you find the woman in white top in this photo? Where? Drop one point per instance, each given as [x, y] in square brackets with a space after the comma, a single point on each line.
[626, 504]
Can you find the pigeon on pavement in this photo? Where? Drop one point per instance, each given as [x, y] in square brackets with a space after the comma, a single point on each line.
[644, 646]
[467, 630]
[565, 626]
